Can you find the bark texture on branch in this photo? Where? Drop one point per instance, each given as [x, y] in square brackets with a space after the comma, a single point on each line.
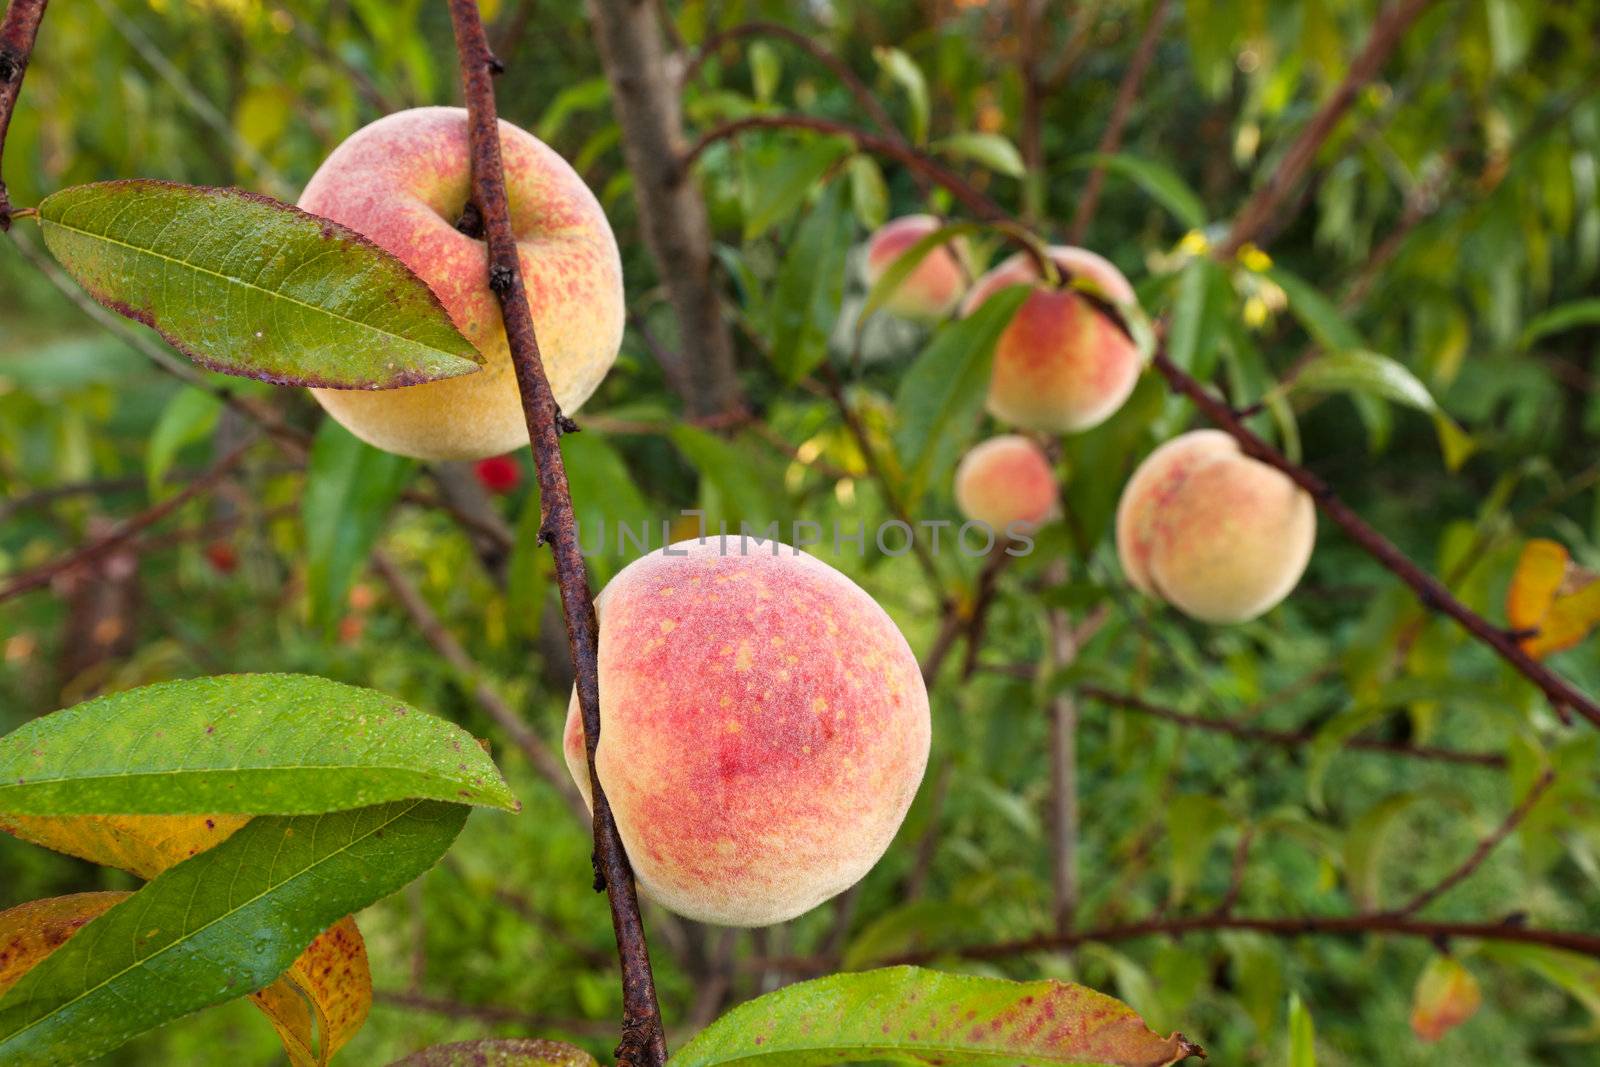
[643, 1041]
[17, 34]
[672, 214]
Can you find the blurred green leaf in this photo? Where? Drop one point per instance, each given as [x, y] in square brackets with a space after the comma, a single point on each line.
[987, 149]
[805, 298]
[350, 487]
[780, 174]
[189, 416]
[903, 70]
[1302, 1034]
[1159, 182]
[869, 196]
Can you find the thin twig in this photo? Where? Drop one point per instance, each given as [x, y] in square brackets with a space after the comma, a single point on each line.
[1264, 204]
[1286, 738]
[974, 201]
[1121, 108]
[1563, 695]
[643, 1040]
[40, 576]
[17, 34]
[1470, 865]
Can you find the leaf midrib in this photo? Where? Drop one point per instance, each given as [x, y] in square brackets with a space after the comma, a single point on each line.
[251, 285]
[191, 934]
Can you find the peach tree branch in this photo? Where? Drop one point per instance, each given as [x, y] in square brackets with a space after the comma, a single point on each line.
[17, 35]
[643, 1040]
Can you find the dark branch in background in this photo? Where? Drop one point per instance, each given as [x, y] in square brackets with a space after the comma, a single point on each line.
[422, 616]
[1121, 108]
[1486, 846]
[1286, 738]
[40, 576]
[841, 70]
[672, 214]
[17, 34]
[974, 201]
[1563, 695]
[1265, 203]
[643, 1042]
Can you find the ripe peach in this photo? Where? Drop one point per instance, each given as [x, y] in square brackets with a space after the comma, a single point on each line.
[1217, 534]
[1006, 480]
[932, 290]
[402, 182]
[1062, 365]
[764, 727]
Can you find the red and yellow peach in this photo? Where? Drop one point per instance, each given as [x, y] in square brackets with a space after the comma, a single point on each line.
[764, 728]
[934, 286]
[1006, 481]
[403, 182]
[1217, 534]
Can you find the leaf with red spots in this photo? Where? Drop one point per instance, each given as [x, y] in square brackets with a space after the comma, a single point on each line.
[246, 285]
[504, 1052]
[144, 845]
[244, 744]
[320, 1004]
[30, 932]
[911, 1015]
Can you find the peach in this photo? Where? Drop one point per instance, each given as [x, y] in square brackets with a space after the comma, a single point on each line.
[1217, 534]
[1063, 364]
[402, 182]
[932, 290]
[764, 728]
[1006, 480]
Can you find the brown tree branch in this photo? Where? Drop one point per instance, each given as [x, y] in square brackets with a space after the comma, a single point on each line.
[1433, 594]
[1121, 108]
[1268, 199]
[974, 201]
[17, 34]
[643, 1040]
[40, 576]
[1470, 865]
[1286, 738]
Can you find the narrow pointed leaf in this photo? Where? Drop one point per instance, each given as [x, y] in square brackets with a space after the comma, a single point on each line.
[250, 286]
[1158, 181]
[216, 927]
[30, 932]
[250, 744]
[911, 1015]
[142, 845]
[503, 1052]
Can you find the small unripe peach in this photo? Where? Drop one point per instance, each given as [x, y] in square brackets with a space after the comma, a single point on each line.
[763, 728]
[1217, 534]
[934, 287]
[402, 182]
[1062, 364]
[1006, 480]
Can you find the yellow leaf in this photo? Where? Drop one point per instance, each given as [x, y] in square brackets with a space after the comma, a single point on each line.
[1446, 996]
[327, 992]
[144, 845]
[1555, 601]
[30, 932]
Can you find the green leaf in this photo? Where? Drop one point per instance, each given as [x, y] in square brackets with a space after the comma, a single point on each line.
[588, 95]
[253, 744]
[766, 70]
[941, 395]
[780, 174]
[911, 1015]
[350, 487]
[248, 286]
[741, 487]
[1321, 318]
[903, 70]
[1565, 317]
[1367, 837]
[1193, 822]
[988, 149]
[604, 500]
[218, 926]
[1368, 374]
[189, 416]
[1197, 314]
[805, 297]
[1158, 181]
[500, 1052]
[1302, 1034]
[869, 196]
[907, 261]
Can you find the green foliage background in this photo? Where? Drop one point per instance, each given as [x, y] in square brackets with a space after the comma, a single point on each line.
[1487, 122]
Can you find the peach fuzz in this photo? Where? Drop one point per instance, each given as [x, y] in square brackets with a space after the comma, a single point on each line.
[932, 290]
[402, 182]
[764, 728]
[1062, 365]
[1006, 480]
[1217, 534]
